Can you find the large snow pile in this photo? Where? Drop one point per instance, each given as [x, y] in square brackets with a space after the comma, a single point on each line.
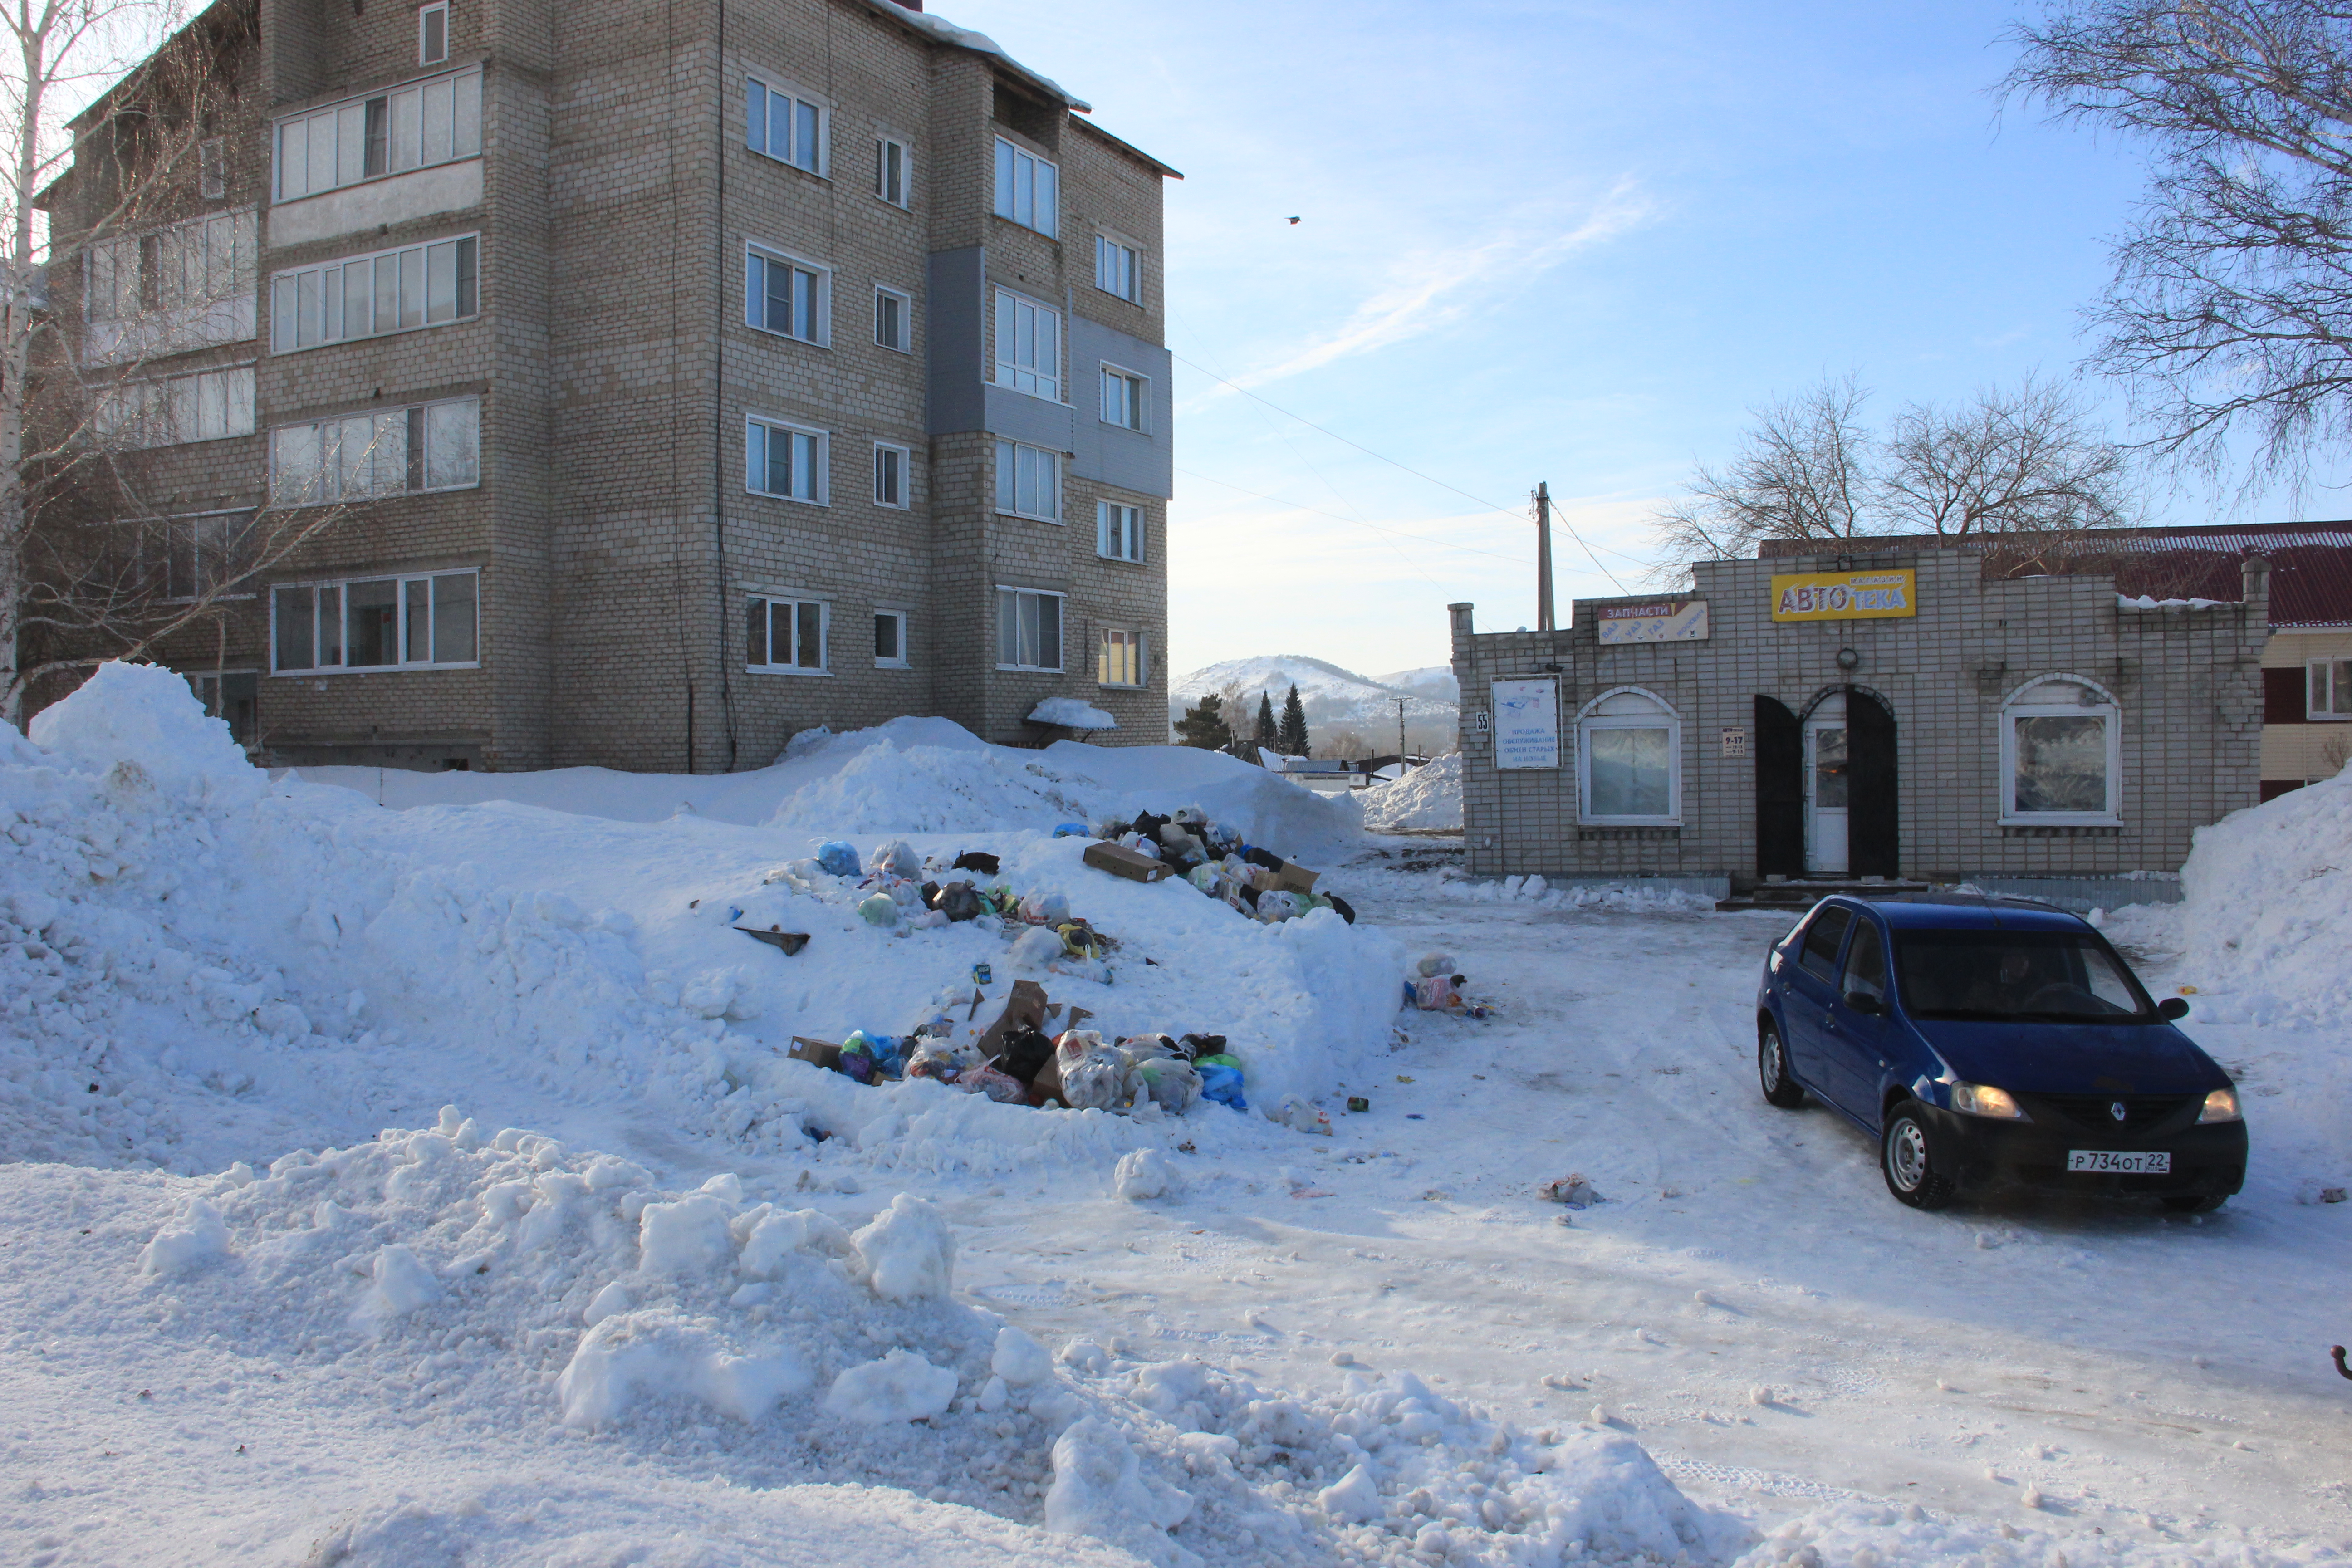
[1426, 800]
[196, 967]
[512, 1287]
[2267, 908]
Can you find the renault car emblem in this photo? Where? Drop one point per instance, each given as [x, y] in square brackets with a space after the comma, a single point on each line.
[2116, 1110]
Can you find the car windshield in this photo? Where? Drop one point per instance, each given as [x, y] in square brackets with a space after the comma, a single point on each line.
[2052, 976]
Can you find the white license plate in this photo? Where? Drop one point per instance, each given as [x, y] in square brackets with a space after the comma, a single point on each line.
[2143, 1165]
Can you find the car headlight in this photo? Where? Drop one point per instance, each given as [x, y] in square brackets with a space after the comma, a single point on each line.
[2222, 1105]
[1983, 1100]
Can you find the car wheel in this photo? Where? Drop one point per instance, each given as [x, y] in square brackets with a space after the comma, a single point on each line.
[1907, 1158]
[2193, 1203]
[1772, 1070]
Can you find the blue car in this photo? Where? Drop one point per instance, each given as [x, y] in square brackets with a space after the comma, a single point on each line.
[1991, 1043]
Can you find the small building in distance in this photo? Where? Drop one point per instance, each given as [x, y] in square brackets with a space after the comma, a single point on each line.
[2055, 721]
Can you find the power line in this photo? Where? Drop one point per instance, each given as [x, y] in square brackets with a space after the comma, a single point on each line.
[1360, 522]
[1407, 468]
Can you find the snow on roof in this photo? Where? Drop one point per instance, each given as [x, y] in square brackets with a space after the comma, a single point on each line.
[946, 32]
[1071, 713]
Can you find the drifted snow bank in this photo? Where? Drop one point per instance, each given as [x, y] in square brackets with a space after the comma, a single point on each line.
[1426, 800]
[506, 1282]
[2266, 910]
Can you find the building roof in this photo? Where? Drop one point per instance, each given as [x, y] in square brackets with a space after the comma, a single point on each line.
[942, 31]
[2311, 562]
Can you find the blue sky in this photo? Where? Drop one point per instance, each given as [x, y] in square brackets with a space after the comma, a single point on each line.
[1571, 242]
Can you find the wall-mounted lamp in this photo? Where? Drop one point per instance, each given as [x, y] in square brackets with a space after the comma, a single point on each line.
[1848, 658]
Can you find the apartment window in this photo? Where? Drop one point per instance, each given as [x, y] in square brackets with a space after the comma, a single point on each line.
[784, 634]
[890, 639]
[1116, 268]
[212, 168]
[790, 298]
[1028, 346]
[890, 465]
[210, 406]
[892, 170]
[376, 623]
[2331, 689]
[416, 127]
[1028, 629]
[1629, 760]
[2061, 743]
[370, 296]
[1028, 482]
[785, 125]
[232, 696]
[1119, 660]
[1125, 399]
[894, 320]
[184, 286]
[1118, 530]
[785, 460]
[397, 452]
[432, 34]
[1027, 189]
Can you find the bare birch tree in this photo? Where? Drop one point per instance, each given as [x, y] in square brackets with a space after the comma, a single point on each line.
[1801, 472]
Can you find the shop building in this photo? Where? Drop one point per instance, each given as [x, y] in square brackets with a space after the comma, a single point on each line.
[1917, 713]
[682, 375]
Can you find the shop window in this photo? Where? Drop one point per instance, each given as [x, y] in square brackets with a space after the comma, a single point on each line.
[1629, 760]
[2060, 754]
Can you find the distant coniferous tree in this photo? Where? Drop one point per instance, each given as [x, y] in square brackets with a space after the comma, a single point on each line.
[1268, 736]
[1203, 725]
[1294, 726]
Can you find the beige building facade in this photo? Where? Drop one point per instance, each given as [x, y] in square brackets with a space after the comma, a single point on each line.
[676, 377]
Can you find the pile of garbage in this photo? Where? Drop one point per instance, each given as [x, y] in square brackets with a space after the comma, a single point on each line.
[1433, 987]
[1015, 1062]
[1214, 859]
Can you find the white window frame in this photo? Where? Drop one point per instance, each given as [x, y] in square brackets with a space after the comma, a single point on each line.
[330, 440]
[2319, 675]
[1134, 524]
[1017, 198]
[1590, 717]
[1137, 654]
[819, 474]
[906, 343]
[757, 261]
[1040, 375]
[1008, 458]
[409, 134]
[330, 284]
[771, 88]
[2016, 706]
[905, 466]
[1115, 257]
[774, 597]
[425, 55]
[401, 598]
[1134, 391]
[884, 145]
[175, 411]
[883, 612]
[203, 272]
[1061, 628]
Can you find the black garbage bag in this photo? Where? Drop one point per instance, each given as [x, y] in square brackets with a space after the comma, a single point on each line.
[1025, 1050]
[979, 860]
[958, 902]
[1347, 910]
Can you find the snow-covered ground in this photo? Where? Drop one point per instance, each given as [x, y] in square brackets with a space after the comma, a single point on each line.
[670, 1324]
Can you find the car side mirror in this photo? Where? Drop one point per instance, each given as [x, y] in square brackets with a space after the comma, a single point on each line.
[1864, 1003]
[2172, 1009]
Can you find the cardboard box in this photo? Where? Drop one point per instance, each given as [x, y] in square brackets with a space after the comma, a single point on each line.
[1289, 880]
[1121, 861]
[1025, 1008]
[816, 1053]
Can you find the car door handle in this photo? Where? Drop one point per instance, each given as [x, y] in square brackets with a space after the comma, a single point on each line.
[1831, 1025]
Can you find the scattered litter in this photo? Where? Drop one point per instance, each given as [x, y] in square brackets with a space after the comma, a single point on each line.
[1359, 1104]
[1574, 1190]
[792, 941]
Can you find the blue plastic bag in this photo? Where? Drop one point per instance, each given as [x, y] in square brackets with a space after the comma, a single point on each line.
[1223, 1085]
[1070, 830]
[839, 859]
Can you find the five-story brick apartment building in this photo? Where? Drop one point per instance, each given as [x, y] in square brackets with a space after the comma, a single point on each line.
[687, 374]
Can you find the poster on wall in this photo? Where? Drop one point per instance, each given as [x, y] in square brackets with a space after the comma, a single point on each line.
[1844, 595]
[1527, 724]
[1672, 621]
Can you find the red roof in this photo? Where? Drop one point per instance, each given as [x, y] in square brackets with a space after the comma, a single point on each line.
[2311, 562]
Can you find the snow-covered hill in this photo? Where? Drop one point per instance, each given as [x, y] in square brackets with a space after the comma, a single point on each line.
[1333, 698]
[1434, 681]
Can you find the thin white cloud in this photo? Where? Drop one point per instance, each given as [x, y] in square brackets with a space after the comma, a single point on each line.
[1438, 288]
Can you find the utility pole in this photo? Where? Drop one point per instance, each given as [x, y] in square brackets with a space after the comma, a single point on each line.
[1543, 559]
[1400, 737]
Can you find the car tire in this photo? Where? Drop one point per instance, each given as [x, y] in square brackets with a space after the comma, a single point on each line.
[1772, 1070]
[1908, 1159]
[2193, 1203]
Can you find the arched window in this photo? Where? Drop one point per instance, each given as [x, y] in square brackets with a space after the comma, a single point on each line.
[1629, 760]
[2060, 754]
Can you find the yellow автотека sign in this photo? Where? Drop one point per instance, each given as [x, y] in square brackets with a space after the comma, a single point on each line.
[1844, 595]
